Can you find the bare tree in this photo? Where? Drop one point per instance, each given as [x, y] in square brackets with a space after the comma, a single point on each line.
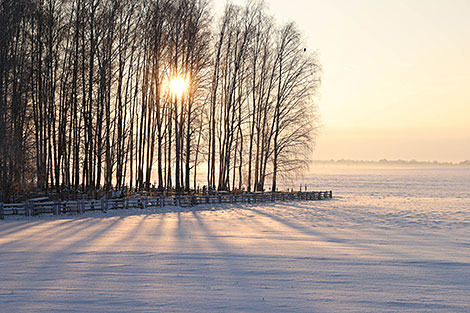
[85, 101]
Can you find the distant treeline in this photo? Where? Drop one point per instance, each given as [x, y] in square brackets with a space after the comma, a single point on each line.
[386, 162]
[85, 101]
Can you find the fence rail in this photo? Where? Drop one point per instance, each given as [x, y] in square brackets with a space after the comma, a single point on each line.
[31, 208]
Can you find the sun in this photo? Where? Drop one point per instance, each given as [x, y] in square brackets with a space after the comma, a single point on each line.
[178, 86]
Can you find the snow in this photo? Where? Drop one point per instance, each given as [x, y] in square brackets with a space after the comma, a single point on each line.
[389, 241]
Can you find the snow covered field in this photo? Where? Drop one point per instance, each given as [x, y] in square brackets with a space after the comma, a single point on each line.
[389, 241]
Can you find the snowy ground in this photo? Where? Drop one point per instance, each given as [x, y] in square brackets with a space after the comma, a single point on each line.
[389, 241]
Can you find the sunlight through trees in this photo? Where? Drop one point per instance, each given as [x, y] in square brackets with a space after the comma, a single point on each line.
[88, 87]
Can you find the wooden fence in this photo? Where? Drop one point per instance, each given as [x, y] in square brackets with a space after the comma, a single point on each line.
[31, 208]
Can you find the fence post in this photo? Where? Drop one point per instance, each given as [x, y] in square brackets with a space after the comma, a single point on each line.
[104, 204]
[27, 208]
[193, 200]
[178, 201]
[2, 214]
[55, 208]
[162, 201]
[331, 194]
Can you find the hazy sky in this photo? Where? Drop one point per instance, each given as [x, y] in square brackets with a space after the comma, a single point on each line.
[396, 75]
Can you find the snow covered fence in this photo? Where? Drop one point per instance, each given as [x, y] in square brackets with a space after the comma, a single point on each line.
[31, 208]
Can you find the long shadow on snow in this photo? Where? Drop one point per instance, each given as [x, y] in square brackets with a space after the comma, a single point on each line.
[318, 234]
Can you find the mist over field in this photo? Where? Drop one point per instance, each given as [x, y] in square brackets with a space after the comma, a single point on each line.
[387, 163]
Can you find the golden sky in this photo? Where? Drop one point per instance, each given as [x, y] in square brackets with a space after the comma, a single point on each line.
[396, 75]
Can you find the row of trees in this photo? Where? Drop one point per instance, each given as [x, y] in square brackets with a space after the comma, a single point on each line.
[86, 103]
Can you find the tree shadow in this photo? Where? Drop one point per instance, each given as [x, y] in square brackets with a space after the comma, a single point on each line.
[322, 236]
